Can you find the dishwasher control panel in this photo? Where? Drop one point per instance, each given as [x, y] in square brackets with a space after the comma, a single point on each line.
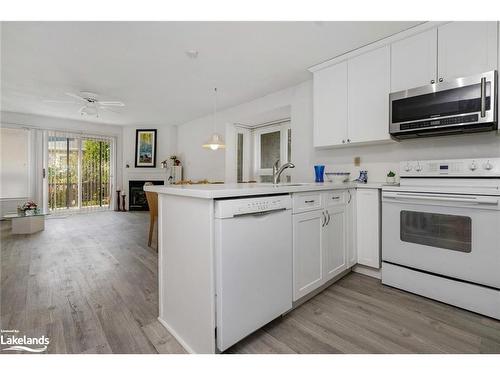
[254, 205]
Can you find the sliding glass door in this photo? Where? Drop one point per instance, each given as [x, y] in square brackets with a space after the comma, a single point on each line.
[79, 172]
[95, 173]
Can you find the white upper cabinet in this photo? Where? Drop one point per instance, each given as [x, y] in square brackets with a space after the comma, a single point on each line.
[330, 105]
[414, 61]
[467, 48]
[351, 98]
[368, 96]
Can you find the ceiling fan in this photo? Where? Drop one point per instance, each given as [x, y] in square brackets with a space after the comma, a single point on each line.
[91, 105]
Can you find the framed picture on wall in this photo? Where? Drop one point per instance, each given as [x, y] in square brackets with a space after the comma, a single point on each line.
[145, 148]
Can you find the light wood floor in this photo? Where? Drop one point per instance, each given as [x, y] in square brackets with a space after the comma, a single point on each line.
[89, 282]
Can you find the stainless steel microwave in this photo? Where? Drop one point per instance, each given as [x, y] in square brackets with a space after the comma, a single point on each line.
[461, 105]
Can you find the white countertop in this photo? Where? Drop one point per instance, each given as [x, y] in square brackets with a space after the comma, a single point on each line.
[212, 191]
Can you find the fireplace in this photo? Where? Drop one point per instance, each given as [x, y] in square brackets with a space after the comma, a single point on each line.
[137, 197]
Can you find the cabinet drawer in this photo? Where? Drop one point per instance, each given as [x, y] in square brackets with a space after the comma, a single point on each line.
[304, 202]
[335, 197]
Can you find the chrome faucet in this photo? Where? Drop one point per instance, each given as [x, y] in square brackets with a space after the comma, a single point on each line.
[278, 171]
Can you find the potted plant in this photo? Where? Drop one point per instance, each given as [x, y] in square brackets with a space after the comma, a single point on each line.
[176, 162]
[391, 177]
[27, 207]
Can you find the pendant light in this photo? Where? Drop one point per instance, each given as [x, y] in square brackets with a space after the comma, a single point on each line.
[215, 142]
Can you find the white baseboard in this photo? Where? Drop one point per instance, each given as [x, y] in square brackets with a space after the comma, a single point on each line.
[368, 271]
[176, 336]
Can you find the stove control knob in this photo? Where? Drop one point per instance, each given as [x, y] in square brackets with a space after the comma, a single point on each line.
[488, 166]
[473, 166]
[408, 167]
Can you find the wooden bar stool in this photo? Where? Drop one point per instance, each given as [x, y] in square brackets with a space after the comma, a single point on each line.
[152, 199]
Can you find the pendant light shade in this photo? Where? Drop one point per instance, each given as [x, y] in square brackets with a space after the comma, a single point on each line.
[216, 141]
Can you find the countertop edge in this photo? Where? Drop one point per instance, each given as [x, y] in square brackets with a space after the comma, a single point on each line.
[241, 190]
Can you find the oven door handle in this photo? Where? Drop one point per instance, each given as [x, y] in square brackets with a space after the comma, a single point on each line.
[434, 197]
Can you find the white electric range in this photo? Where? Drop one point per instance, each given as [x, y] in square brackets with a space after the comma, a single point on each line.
[441, 232]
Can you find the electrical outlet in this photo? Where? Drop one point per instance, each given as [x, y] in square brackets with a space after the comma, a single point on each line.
[357, 161]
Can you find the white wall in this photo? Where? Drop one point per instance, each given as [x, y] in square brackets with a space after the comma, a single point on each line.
[36, 123]
[377, 159]
[202, 163]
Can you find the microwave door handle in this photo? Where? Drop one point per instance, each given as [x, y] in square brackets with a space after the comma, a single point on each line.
[478, 200]
[483, 97]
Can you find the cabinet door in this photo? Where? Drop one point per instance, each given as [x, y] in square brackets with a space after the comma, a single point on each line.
[352, 254]
[307, 252]
[334, 241]
[414, 61]
[466, 48]
[368, 227]
[330, 105]
[368, 96]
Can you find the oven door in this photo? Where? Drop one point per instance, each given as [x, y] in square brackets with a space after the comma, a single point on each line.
[457, 236]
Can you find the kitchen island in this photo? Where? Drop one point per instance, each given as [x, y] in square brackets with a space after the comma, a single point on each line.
[187, 255]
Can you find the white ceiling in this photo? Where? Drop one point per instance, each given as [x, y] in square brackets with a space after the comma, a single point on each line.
[144, 64]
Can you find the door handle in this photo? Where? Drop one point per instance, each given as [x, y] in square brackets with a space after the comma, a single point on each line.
[328, 222]
[323, 221]
[483, 97]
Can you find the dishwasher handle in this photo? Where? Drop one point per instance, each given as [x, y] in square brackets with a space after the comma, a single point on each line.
[261, 213]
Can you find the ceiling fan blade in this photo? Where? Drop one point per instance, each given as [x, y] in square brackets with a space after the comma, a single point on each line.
[112, 104]
[75, 96]
[108, 109]
[60, 101]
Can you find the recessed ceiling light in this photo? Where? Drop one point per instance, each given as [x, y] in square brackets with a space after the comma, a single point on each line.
[192, 53]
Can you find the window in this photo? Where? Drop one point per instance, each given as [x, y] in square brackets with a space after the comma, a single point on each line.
[272, 143]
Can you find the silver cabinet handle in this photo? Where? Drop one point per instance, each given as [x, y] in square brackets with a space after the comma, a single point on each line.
[440, 79]
[432, 81]
[350, 196]
[348, 140]
[323, 221]
[343, 141]
[310, 201]
[336, 197]
[328, 222]
[483, 97]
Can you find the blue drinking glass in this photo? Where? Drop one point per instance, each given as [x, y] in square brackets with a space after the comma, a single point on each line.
[319, 171]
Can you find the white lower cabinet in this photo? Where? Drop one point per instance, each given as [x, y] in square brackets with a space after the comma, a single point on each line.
[351, 234]
[307, 252]
[319, 243]
[368, 227]
[334, 241]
